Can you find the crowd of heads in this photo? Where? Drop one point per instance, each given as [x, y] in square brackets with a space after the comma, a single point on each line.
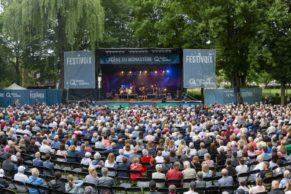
[169, 142]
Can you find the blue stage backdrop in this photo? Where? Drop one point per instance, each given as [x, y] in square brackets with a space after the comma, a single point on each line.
[50, 97]
[79, 67]
[199, 68]
[226, 96]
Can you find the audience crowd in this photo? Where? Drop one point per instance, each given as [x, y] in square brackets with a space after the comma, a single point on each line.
[78, 149]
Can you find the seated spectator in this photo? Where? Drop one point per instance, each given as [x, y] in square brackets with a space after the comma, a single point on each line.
[167, 165]
[62, 152]
[191, 188]
[200, 182]
[221, 156]
[159, 158]
[45, 147]
[159, 175]
[275, 188]
[258, 188]
[153, 188]
[55, 144]
[136, 166]
[285, 180]
[35, 180]
[105, 180]
[89, 190]
[242, 188]
[87, 160]
[32, 147]
[120, 156]
[73, 186]
[49, 165]
[20, 176]
[241, 168]
[266, 172]
[3, 182]
[207, 160]
[175, 173]
[288, 188]
[206, 172]
[172, 189]
[124, 166]
[231, 170]
[110, 163]
[146, 158]
[195, 163]
[202, 150]
[234, 159]
[72, 154]
[37, 160]
[188, 172]
[56, 184]
[92, 176]
[97, 162]
[9, 167]
[225, 180]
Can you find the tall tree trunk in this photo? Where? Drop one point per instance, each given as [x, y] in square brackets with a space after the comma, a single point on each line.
[61, 47]
[283, 93]
[17, 71]
[236, 87]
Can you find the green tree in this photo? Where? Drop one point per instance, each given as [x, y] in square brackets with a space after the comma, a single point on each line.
[271, 49]
[69, 24]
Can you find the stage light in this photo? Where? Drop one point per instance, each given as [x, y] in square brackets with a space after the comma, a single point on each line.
[168, 71]
[140, 72]
[163, 71]
[156, 72]
[165, 89]
[145, 71]
[122, 72]
[130, 72]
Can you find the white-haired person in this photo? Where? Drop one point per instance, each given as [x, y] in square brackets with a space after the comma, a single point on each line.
[188, 173]
[97, 160]
[87, 160]
[20, 176]
[159, 175]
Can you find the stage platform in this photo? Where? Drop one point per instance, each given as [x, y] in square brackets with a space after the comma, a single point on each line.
[149, 103]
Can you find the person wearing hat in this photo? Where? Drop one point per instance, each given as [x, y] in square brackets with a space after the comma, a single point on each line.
[3, 183]
[192, 187]
[20, 176]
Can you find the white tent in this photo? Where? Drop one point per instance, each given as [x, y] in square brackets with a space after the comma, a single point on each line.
[14, 86]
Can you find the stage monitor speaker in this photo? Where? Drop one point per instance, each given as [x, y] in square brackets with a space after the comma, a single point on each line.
[164, 100]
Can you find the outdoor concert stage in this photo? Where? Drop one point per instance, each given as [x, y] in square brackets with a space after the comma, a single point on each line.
[149, 103]
[141, 74]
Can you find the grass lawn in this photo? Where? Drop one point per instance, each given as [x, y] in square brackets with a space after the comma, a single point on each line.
[266, 92]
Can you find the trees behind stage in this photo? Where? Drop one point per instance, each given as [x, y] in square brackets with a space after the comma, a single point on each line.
[252, 38]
